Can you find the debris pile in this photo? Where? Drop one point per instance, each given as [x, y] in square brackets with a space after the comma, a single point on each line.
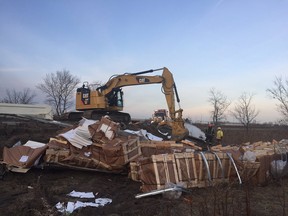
[94, 145]
[163, 162]
[103, 146]
[259, 158]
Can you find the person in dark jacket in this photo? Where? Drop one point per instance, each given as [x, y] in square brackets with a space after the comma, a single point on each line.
[209, 133]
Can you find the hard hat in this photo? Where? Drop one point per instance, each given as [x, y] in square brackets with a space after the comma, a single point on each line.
[219, 128]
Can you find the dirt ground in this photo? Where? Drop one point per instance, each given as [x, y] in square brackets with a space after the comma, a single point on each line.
[38, 191]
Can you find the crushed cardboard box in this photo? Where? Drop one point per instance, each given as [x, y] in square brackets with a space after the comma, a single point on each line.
[21, 158]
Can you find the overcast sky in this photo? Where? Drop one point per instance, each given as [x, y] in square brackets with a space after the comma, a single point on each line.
[234, 46]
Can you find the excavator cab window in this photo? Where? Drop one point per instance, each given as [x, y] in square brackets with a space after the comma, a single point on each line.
[85, 93]
[115, 98]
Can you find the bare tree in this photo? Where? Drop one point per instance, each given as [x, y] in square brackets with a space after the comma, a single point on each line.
[19, 97]
[220, 104]
[280, 93]
[59, 88]
[244, 111]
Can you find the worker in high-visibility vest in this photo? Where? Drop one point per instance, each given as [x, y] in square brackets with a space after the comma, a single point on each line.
[219, 135]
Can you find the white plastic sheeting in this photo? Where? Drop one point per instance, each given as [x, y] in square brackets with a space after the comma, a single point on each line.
[195, 131]
[72, 206]
[145, 134]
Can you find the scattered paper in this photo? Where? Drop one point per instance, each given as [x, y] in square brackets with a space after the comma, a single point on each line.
[81, 194]
[87, 154]
[72, 206]
[103, 201]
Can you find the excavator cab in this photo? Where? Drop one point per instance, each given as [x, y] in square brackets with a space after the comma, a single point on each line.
[95, 104]
[115, 98]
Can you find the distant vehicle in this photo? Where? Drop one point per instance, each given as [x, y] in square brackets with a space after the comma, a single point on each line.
[159, 116]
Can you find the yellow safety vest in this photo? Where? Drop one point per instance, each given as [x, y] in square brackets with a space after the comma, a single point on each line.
[219, 134]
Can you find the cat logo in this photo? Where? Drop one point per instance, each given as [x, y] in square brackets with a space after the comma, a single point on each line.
[85, 95]
[143, 80]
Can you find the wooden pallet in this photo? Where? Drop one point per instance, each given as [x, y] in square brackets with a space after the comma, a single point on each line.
[187, 168]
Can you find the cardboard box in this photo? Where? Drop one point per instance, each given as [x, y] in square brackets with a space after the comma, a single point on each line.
[156, 171]
[149, 148]
[55, 156]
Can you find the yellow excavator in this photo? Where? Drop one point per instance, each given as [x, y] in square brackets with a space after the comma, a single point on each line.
[107, 99]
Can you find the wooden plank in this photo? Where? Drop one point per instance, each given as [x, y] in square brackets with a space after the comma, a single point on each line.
[186, 168]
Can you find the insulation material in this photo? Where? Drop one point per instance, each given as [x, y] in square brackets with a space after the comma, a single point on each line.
[83, 131]
[79, 136]
[83, 128]
[76, 140]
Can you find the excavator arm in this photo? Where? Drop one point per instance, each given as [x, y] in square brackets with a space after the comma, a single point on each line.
[179, 131]
[129, 79]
